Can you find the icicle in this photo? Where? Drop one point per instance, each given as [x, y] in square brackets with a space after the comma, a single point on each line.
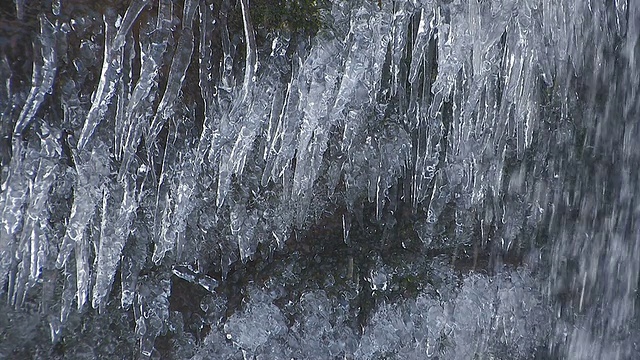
[133, 259]
[163, 241]
[114, 232]
[56, 324]
[228, 50]
[180, 206]
[398, 42]
[177, 72]
[15, 195]
[186, 272]
[20, 9]
[37, 211]
[109, 77]
[346, 227]
[20, 277]
[151, 312]
[425, 32]
[251, 50]
[42, 77]
[5, 93]
[205, 78]
[125, 88]
[164, 237]
[82, 270]
[139, 108]
[133, 11]
[324, 73]
[111, 68]
[39, 167]
[235, 162]
[232, 160]
[282, 146]
[243, 224]
[92, 170]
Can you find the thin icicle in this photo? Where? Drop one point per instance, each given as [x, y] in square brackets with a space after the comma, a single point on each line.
[15, 195]
[251, 50]
[133, 11]
[243, 224]
[140, 106]
[177, 73]
[206, 84]
[83, 274]
[134, 255]
[92, 170]
[27, 246]
[398, 43]
[232, 159]
[37, 211]
[109, 76]
[163, 243]
[228, 49]
[111, 68]
[114, 231]
[163, 207]
[42, 77]
[66, 303]
[20, 9]
[151, 312]
[418, 53]
[125, 88]
[283, 143]
[176, 205]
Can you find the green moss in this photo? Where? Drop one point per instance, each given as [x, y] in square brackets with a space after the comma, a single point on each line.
[293, 15]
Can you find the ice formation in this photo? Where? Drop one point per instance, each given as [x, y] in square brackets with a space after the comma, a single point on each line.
[417, 179]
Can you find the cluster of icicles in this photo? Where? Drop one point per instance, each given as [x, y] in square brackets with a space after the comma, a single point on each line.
[433, 94]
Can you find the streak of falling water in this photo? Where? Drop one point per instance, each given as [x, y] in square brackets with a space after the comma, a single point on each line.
[597, 249]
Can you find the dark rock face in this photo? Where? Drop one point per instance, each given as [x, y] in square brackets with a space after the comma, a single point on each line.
[300, 179]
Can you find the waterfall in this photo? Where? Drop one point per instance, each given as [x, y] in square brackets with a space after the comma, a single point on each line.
[317, 179]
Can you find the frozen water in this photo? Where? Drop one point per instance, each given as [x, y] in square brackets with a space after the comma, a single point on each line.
[300, 179]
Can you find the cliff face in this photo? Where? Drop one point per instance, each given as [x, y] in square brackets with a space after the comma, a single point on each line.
[319, 179]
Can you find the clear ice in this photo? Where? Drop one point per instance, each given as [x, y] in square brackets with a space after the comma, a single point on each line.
[412, 179]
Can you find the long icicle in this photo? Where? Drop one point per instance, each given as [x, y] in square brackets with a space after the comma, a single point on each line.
[111, 68]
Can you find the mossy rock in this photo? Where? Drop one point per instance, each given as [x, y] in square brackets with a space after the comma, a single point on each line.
[293, 15]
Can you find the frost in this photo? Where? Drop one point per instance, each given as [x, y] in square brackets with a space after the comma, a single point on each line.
[255, 327]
